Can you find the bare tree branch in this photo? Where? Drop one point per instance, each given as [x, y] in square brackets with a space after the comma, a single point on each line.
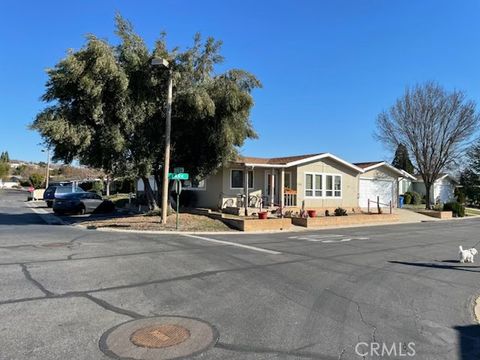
[433, 124]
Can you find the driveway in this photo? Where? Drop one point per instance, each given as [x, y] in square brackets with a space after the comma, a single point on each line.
[310, 295]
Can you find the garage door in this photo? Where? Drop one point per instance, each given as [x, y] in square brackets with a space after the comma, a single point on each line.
[371, 188]
[444, 193]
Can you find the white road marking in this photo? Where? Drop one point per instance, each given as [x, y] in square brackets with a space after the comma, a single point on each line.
[47, 216]
[328, 238]
[233, 244]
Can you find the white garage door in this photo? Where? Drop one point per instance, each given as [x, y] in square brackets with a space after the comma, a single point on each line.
[371, 188]
[444, 192]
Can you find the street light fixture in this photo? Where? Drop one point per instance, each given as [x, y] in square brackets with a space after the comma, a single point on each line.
[168, 128]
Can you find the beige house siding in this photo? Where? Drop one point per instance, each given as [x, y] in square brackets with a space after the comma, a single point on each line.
[209, 198]
[349, 198]
[382, 173]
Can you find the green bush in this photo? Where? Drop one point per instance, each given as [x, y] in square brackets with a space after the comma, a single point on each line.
[412, 197]
[36, 180]
[456, 208]
[416, 198]
[340, 212]
[407, 198]
[459, 194]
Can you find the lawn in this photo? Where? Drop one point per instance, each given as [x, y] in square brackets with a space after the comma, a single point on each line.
[187, 222]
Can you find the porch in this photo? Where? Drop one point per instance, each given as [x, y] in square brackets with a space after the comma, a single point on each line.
[262, 189]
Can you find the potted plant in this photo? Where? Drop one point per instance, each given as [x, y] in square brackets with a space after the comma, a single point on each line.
[312, 213]
[262, 215]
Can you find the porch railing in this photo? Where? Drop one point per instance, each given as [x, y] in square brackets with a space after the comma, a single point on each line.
[290, 199]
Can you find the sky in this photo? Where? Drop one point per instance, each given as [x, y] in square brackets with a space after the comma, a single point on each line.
[328, 68]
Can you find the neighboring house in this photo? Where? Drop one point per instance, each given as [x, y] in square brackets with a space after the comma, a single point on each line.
[315, 181]
[9, 183]
[443, 189]
[381, 180]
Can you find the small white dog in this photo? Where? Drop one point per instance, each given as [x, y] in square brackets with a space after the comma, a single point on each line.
[467, 255]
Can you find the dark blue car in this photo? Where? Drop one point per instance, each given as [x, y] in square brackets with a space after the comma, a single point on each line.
[56, 190]
[81, 203]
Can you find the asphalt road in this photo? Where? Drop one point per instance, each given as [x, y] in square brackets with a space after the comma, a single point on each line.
[311, 295]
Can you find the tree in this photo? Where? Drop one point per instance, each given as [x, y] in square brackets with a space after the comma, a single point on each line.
[470, 176]
[4, 169]
[4, 157]
[107, 107]
[402, 160]
[36, 180]
[433, 124]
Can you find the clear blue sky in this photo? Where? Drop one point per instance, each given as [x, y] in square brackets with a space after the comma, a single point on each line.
[328, 67]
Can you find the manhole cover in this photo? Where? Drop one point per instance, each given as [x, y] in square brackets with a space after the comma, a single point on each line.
[159, 338]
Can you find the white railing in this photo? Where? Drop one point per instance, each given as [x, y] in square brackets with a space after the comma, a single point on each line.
[290, 199]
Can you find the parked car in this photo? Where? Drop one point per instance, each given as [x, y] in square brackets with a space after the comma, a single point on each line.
[55, 190]
[81, 203]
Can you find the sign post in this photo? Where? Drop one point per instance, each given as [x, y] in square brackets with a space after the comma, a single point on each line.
[178, 175]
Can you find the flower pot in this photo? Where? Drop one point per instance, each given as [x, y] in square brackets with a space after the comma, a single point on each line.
[262, 215]
[312, 213]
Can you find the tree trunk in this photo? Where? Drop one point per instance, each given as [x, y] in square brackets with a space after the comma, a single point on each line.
[151, 202]
[428, 186]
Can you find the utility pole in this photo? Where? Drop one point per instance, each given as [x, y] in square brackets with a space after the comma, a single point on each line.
[168, 127]
[47, 171]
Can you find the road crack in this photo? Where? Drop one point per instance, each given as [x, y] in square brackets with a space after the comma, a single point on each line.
[36, 283]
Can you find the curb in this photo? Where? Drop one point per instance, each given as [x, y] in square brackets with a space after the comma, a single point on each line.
[476, 309]
[237, 232]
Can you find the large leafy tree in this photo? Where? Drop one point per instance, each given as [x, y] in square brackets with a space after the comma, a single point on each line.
[433, 124]
[470, 176]
[402, 160]
[107, 107]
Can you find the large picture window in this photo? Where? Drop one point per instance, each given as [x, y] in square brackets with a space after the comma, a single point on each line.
[323, 185]
[237, 177]
[195, 184]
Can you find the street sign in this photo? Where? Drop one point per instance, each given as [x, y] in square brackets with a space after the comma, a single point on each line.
[178, 170]
[179, 176]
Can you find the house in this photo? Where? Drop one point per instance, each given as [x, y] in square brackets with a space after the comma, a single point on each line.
[319, 181]
[382, 180]
[443, 189]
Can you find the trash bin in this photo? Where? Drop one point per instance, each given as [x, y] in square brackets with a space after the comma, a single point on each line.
[400, 201]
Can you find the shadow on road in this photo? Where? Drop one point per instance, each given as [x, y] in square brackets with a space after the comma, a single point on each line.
[20, 219]
[467, 267]
[469, 339]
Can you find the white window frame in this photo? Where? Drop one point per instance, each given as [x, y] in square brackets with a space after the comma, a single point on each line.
[324, 186]
[203, 188]
[243, 170]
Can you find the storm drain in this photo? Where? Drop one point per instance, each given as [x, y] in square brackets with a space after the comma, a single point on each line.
[160, 338]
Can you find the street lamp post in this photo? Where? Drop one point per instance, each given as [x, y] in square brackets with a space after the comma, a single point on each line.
[47, 171]
[168, 126]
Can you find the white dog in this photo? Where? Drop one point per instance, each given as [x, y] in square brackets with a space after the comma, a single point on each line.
[467, 255]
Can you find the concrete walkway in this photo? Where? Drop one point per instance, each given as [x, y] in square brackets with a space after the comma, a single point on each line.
[409, 216]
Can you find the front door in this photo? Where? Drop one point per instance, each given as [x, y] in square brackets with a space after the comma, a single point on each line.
[268, 181]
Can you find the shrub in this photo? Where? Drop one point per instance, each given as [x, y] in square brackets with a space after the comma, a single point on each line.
[407, 198]
[459, 194]
[340, 212]
[416, 198]
[36, 180]
[456, 208]
[92, 186]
